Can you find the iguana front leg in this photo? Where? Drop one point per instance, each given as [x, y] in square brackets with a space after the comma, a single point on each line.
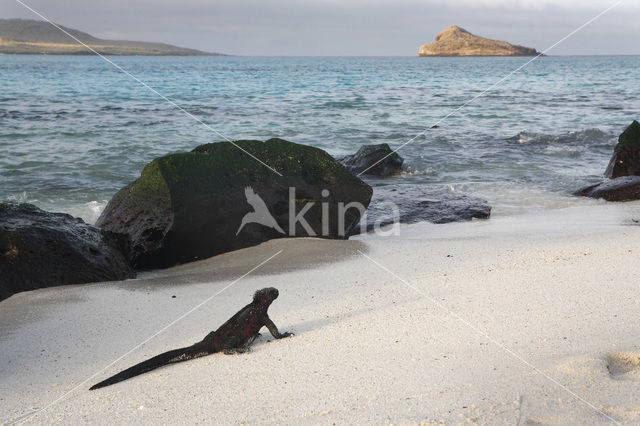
[274, 330]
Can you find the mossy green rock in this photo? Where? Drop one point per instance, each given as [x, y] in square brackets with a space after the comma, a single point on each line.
[626, 155]
[190, 205]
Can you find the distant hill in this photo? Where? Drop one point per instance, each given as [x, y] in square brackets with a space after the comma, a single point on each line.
[27, 36]
[455, 41]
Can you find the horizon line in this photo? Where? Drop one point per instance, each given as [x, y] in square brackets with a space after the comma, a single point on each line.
[231, 55]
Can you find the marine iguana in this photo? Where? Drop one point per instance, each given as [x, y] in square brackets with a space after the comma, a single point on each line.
[234, 336]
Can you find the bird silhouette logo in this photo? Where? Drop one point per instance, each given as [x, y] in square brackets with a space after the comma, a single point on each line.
[260, 213]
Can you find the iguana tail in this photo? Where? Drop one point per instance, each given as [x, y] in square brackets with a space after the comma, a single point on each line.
[176, 355]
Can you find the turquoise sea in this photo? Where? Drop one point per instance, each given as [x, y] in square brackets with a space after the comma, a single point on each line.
[74, 129]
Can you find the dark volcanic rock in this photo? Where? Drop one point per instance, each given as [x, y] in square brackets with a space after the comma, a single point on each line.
[41, 249]
[625, 188]
[623, 171]
[626, 155]
[368, 155]
[193, 205]
[419, 204]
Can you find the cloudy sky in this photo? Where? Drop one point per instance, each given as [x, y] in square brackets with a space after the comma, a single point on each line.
[345, 27]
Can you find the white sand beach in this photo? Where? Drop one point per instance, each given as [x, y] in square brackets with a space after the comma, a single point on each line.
[530, 319]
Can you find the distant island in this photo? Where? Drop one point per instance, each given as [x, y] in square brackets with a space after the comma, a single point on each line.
[455, 41]
[28, 36]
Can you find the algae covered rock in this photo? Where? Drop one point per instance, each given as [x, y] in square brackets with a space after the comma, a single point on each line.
[41, 249]
[217, 198]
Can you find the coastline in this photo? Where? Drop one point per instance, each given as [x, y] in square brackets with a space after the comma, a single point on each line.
[367, 348]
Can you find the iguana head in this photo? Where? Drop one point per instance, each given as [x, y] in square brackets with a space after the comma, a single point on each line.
[266, 295]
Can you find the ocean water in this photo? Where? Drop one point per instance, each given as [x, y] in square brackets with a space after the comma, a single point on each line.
[74, 130]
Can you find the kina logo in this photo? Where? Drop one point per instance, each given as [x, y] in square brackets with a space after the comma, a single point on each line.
[260, 213]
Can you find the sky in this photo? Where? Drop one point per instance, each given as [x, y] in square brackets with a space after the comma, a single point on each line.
[345, 27]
